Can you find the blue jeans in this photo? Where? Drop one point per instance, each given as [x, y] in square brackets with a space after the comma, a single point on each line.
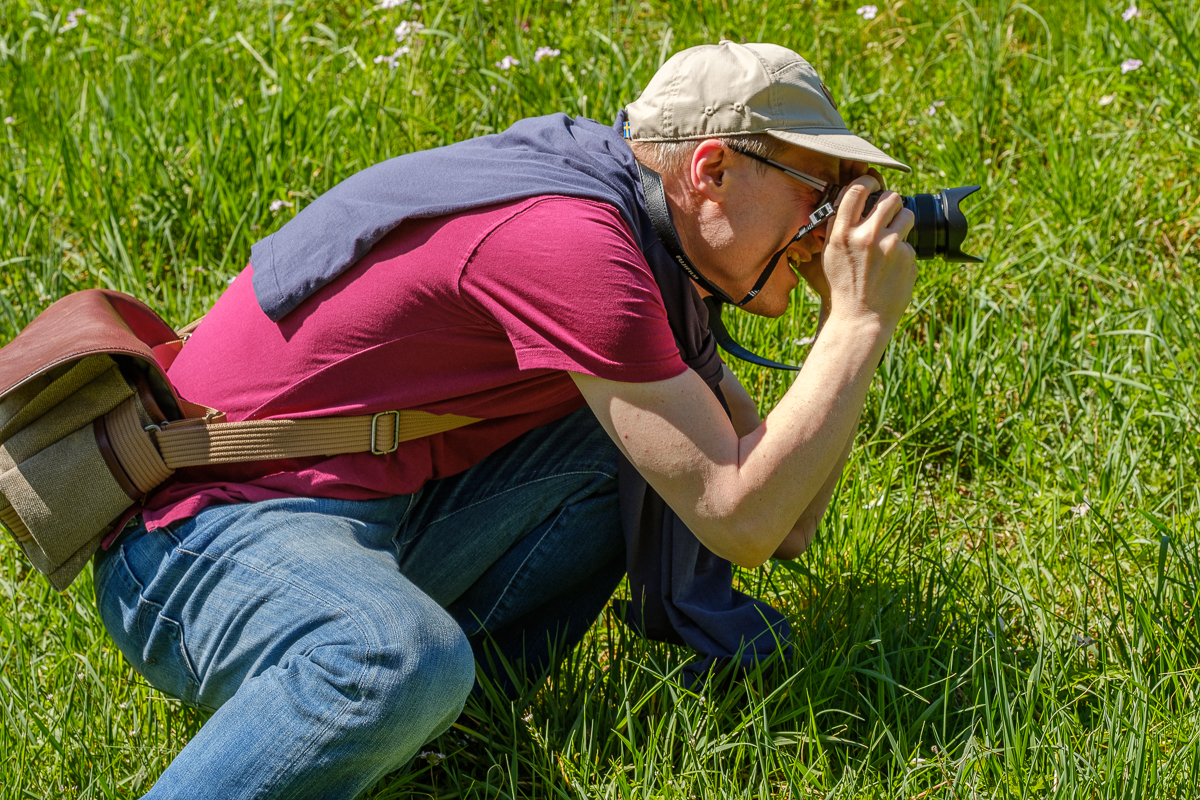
[333, 638]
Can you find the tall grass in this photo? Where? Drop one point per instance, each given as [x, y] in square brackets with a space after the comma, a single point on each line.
[1002, 601]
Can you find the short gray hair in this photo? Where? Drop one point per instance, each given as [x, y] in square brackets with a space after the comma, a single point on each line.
[671, 157]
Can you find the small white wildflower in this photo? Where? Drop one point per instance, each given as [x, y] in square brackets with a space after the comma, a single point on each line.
[1106, 99]
[508, 62]
[805, 341]
[273, 89]
[873, 504]
[787, 26]
[1129, 65]
[432, 758]
[528, 717]
[406, 29]
[492, 88]
[10, 120]
[1082, 509]
[237, 102]
[934, 106]
[72, 20]
[278, 204]
[393, 60]
[867, 12]
[388, 4]
[1130, 13]
[545, 52]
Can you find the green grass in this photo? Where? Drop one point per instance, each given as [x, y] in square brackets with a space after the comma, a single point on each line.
[1003, 599]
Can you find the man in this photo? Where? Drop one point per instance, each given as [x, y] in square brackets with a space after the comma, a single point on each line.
[330, 610]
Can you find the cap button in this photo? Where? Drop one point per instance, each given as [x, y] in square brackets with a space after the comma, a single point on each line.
[738, 107]
[709, 110]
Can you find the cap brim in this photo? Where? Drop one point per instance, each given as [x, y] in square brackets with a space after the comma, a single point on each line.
[841, 144]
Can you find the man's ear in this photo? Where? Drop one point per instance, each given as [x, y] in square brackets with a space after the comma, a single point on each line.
[707, 173]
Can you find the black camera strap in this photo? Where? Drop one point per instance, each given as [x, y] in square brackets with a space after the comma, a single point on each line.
[660, 217]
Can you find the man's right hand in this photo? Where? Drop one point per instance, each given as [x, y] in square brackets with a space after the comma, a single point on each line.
[869, 267]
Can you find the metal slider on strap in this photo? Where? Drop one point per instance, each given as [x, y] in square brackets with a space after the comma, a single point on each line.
[375, 433]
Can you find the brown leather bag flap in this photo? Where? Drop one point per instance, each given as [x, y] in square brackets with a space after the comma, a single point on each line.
[85, 323]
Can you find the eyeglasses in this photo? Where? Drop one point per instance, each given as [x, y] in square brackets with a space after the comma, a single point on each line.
[828, 190]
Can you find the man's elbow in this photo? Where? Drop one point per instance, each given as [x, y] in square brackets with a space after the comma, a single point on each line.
[797, 541]
[750, 546]
[736, 533]
[749, 532]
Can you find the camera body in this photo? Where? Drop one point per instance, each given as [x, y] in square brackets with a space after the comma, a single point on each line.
[940, 227]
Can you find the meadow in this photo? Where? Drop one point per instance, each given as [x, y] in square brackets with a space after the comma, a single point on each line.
[1003, 601]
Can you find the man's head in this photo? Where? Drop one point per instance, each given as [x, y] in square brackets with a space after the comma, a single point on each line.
[709, 121]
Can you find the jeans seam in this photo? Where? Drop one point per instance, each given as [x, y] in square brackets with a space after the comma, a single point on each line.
[158, 612]
[297, 753]
[141, 587]
[399, 540]
[513, 489]
[517, 571]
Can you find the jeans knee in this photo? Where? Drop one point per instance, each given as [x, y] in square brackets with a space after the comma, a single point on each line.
[418, 678]
[443, 663]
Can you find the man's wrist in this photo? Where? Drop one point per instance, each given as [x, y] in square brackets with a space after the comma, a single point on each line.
[823, 314]
[862, 324]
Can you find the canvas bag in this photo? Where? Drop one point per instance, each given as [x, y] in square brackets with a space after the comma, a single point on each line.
[90, 425]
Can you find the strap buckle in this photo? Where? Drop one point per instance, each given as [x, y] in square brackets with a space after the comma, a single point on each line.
[375, 433]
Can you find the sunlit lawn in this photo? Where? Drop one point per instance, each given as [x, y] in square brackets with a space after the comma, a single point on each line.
[1003, 599]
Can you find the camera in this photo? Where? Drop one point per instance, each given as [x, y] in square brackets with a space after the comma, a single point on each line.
[940, 226]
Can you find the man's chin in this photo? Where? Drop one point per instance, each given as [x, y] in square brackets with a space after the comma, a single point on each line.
[767, 306]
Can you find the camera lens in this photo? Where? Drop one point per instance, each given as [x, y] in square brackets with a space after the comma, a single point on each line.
[940, 226]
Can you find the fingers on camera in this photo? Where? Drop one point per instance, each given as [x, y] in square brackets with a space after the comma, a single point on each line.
[903, 221]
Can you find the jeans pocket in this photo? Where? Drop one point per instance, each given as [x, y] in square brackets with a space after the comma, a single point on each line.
[150, 642]
[405, 531]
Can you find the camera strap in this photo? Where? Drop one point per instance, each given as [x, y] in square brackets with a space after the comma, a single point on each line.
[660, 217]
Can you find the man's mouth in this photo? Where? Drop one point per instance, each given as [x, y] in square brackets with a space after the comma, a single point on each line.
[801, 257]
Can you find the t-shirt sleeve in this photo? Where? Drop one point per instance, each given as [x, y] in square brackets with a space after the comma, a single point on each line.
[566, 282]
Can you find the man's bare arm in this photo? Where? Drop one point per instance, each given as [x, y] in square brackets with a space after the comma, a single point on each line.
[743, 411]
[741, 496]
[745, 419]
[805, 530]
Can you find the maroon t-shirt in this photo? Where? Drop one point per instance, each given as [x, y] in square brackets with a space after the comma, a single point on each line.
[479, 313]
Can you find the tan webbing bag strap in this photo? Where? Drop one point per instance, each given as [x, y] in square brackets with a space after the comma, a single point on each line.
[192, 443]
[84, 395]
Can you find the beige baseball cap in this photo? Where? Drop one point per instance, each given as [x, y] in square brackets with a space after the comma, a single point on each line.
[730, 89]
